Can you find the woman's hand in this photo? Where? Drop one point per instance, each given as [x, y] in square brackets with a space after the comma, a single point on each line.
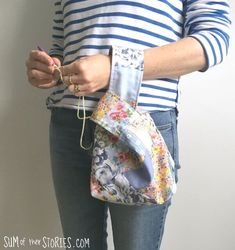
[40, 69]
[88, 74]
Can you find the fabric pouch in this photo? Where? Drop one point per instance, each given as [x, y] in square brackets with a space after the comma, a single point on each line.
[130, 162]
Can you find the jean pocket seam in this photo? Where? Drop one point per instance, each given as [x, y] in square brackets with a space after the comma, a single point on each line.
[165, 127]
[175, 144]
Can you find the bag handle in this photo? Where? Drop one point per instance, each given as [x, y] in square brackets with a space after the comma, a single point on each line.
[127, 73]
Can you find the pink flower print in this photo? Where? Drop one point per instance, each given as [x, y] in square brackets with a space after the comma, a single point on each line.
[115, 116]
[119, 106]
[123, 156]
[94, 185]
[113, 138]
[123, 115]
[118, 115]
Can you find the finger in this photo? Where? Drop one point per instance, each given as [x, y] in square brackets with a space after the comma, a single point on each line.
[57, 61]
[77, 90]
[72, 79]
[47, 85]
[37, 65]
[41, 83]
[69, 69]
[41, 56]
[39, 75]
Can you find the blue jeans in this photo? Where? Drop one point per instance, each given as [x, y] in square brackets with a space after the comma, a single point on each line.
[84, 218]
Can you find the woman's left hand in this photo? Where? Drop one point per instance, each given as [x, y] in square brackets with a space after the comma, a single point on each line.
[88, 74]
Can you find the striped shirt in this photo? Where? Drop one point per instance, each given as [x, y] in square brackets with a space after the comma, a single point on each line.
[88, 27]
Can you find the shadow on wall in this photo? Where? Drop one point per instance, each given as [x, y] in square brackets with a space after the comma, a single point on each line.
[28, 206]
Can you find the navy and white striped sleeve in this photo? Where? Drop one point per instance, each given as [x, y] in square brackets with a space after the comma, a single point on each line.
[209, 23]
[57, 31]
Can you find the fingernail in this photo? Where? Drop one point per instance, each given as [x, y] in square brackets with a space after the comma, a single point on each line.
[54, 61]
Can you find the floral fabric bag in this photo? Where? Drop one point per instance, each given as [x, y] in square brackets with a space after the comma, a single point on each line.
[131, 163]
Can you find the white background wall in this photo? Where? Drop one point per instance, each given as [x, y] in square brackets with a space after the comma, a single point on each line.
[202, 214]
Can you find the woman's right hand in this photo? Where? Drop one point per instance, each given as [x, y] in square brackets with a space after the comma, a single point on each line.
[40, 69]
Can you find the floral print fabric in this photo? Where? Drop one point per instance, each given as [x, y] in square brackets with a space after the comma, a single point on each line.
[131, 163]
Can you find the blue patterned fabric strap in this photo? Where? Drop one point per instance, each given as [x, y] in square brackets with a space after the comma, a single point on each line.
[127, 72]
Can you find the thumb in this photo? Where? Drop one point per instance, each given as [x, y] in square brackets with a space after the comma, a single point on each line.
[56, 61]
